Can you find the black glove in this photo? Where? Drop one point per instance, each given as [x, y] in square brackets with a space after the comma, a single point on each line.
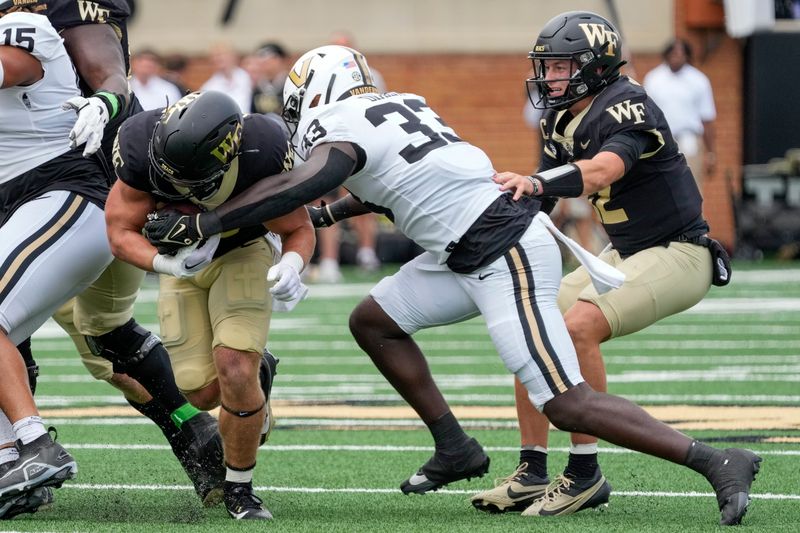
[170, 230]
[320, 215]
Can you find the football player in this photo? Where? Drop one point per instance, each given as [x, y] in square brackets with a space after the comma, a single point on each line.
[202, 151]
[605, 138]
[101, 322]
[52, 241]
[488, 252]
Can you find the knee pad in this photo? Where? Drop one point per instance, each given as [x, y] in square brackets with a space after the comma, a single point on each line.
[125, 346]
[33, 369]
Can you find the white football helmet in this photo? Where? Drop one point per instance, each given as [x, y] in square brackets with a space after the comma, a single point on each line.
[322, 76]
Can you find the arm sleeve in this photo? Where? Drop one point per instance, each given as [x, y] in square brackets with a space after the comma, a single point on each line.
[629, 145]
[327, 167]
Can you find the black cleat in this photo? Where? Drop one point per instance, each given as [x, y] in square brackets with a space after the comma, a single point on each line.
[37, 499]
[731, 476]
[266, 376]
[242, 504]
[203, 458]
[444, 468]
[41, 463]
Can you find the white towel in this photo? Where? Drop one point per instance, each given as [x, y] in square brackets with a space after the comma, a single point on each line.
[604, 276]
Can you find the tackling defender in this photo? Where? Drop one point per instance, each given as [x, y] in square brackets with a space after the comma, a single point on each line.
[485, 254]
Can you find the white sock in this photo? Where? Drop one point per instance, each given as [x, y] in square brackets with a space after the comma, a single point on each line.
[7, 435]
[536, 448]
[29, 429]
[239, 476]
[583, 449]
[8, 455]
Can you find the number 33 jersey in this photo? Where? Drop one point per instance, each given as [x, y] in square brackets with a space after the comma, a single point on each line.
[417, 171]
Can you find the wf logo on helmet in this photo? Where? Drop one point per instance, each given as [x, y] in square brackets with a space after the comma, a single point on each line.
[229, 146]
[599, 33]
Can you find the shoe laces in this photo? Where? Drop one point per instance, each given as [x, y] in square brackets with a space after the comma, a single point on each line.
[515, 476]
[559, 486]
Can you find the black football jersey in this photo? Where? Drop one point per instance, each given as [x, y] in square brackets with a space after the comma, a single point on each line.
[657, 199]
[265, 151]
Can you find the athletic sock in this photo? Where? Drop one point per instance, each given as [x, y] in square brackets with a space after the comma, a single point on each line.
[447, 432]
[29, 429]
[239, 475]
[701, 457]
[582, 462]
[536, 460]
[158, 414]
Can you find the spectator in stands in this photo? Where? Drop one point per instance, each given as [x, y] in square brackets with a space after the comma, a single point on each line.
[684, 95]
[150, 88]
[175, 69]
[365, 227]
[228, 77]
[269, 71]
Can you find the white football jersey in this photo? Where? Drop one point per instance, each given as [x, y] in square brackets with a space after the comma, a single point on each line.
[434, 184]
[33, 127]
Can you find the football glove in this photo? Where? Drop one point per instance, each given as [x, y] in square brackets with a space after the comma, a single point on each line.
[170, 230]
[92, 120]
[286, 276]
[188, 261]
[321, 216]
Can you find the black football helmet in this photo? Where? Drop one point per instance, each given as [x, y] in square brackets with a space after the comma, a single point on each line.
[593, 46]
[193, 145]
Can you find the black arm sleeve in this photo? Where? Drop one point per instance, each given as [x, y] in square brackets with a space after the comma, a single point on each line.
[629, 145]
[327, 167]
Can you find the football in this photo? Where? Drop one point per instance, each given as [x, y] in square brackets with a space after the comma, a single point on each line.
[183, 207]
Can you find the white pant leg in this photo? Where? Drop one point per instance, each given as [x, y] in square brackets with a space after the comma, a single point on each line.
[51, 249]
[517, 297]
[423, 294]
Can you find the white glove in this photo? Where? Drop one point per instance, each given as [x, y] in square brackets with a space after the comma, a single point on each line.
[188, 261]
[286, 275]
[92, 120]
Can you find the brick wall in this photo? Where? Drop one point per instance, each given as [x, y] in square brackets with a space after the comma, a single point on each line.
[481, 96]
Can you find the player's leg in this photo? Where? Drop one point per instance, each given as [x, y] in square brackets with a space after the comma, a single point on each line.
[621, 422]
[240, 308]
[530, 479]
[422, 294]
[50, 248]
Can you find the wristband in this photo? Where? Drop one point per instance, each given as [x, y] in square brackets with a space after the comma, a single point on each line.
[115, 103]
[535, 183]
[327, 214]
[2, 74]
[565, 181]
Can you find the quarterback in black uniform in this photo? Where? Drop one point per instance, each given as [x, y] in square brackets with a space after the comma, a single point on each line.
[101, 322]
[214, 319]
[604, 138]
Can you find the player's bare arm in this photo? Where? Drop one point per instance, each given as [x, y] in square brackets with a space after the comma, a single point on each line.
[575, 179]
[18, 67]
[126, 214]
[97, 54]
[296, 232]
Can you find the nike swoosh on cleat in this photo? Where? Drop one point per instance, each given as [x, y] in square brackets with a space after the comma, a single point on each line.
[418, 479]
[516, 495]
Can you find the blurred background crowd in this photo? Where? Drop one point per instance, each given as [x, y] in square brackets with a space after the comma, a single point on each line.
[723, 72]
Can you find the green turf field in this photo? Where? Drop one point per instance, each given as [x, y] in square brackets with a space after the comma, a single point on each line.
[326, 472]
